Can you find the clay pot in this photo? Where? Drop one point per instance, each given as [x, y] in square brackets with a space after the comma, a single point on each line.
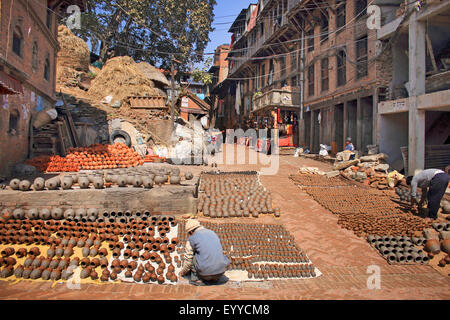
[159, 180]
[52, 183]
[137, 277]
[39, 184]
[35, 251]
[432, 245]
[85, 262]
[7, 252]
[14, 184]
[86, 272]
[160, 279]
[66, 274]
[83, 182]
[85, 252]
[147, 182]
[56, 213]
[7, 272]
[32, 214]
[175, 179]
[18, 214]
[67, 182]
[44, 214]
[98, 183]
[445, 245]
[137, 181]
[22, 252]
[55, 275]
[113, 276]
[122, 181]
[188, 176]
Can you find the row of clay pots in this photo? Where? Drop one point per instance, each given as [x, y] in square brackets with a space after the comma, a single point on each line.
[316, 180]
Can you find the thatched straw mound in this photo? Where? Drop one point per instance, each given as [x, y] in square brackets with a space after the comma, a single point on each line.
[153, 74]
[74, 52]
[120, 77]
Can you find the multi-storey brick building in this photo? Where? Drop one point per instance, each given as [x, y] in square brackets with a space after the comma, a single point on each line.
[311, 64]
[28, 50]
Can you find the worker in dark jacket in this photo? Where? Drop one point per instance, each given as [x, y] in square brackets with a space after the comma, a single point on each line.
[433, 183]
[204, 256]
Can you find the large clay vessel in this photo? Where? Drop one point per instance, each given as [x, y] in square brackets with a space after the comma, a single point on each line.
[175, 179]
[18, 214]
[83, 182]
[39, 184]
[32, 214]
[432, 245]
[122, 181]
[44, 214]
[14, 184]
[98, 183]
[67, 182]
[24, 185]
[57, 213]
[53, 183]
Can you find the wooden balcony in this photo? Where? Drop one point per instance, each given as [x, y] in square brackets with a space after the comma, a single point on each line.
[277, 98]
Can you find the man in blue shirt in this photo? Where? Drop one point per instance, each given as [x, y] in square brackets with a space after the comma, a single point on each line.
[349, 145]
[204, 256]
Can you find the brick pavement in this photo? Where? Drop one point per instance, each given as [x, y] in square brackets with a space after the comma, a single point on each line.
[342, 257]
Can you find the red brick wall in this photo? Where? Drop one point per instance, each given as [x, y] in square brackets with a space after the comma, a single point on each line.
[31, 17]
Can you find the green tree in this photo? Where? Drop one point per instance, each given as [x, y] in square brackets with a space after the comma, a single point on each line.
[149, 30]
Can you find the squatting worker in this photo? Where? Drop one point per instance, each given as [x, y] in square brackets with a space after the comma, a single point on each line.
[436, 181]
[349, 145]
[204, 256]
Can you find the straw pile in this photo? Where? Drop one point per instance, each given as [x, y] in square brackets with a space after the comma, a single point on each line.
[74, 52]
[120, 77]
[153, 74]
[73, 59]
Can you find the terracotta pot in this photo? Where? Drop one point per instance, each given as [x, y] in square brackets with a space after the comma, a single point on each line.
[85, 262]
[7, 252]
[445, 245]
[432, 245]
[160, 279]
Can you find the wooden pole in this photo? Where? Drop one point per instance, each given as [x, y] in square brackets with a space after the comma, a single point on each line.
[172, 109]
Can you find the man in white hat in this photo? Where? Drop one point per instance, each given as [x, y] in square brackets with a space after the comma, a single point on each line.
[204, 256]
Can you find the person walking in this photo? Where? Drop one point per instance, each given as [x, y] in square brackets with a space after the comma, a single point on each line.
[204, 257]
[433, 183]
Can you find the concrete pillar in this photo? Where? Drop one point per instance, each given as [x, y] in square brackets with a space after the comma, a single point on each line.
[345, 122]
[311, 132]
[375, 126]
[358, 125]
[417, 74]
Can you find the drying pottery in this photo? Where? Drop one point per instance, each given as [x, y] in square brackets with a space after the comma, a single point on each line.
[39, 184]
[57, 213]
[32, 214]
[24, 185]
[14, 184]
[44, 214]
[67, 182]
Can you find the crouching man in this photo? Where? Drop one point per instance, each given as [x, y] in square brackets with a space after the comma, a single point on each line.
[204, 257]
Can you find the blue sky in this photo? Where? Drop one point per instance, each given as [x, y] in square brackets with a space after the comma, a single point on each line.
[225, 13]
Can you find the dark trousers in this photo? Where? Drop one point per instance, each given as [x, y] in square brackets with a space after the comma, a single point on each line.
[196, 276]
[438, 185]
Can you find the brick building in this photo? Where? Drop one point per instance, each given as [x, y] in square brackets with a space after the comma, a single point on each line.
[28, 50]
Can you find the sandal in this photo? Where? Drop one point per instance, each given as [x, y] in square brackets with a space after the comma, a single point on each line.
[197, 282]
